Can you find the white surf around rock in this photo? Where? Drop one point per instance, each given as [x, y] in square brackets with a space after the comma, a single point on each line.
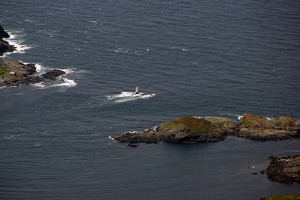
[129, 96]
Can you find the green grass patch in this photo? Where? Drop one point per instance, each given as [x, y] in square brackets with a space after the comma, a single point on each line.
[190, 125]
[256, 122]
[283, 197]
[3, 71]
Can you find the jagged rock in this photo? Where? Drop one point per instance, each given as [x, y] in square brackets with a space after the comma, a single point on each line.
[5, 46]
[3, 33]
[284, 169]
[53, 74]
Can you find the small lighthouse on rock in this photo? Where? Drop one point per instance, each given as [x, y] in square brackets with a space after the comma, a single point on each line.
[137, 90]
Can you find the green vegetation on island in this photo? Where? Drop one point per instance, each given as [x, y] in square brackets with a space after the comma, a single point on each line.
[186, 130]
[259, 128]
[190, 130]
[282, 197]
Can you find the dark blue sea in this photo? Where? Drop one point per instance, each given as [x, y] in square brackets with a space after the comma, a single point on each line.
[188, 58]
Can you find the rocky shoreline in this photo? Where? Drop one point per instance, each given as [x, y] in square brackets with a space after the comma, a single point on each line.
[284, 169]
[14, 73]
[192, 130]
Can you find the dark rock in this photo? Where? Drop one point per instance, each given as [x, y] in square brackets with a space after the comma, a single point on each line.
[133, 145]
[5, 46]
[53, 74]
[262, 172]
[3, 33]
[31, 69]
[284, 169]
[23, 81]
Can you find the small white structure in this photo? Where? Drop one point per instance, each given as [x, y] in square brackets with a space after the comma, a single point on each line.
[12, 73]
[137, 90]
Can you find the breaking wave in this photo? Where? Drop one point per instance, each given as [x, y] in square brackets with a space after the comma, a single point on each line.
[16, 39]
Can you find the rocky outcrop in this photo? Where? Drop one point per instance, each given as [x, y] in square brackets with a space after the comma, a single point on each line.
[3, 33]
[14, 73]
[284, 169]
[259, 128]
[4, 45]
[191, 130]
[53, 74]
[185, 130]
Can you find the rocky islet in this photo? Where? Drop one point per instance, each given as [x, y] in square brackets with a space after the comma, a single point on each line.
[191, 130]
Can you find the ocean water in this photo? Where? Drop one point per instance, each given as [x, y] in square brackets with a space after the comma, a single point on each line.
[189, 58]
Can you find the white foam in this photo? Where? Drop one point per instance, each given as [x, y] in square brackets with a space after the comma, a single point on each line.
[124, 51]
[41, 85]
[128, 96]
[110, 137]
[67, 71]
[66, 83]
[39, 67]
[16, 40]
[93, 22]
[241, 116]
[29, 20]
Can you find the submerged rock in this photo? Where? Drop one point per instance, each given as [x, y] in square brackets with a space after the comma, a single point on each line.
[284, 169]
